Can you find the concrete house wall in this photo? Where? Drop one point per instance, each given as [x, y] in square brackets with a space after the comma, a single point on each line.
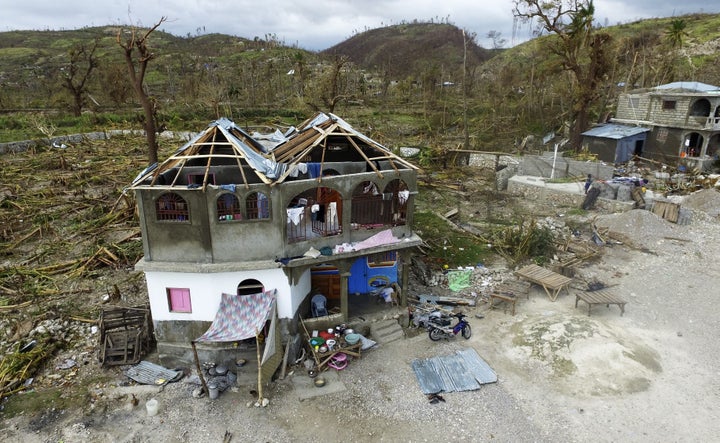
[205, 239]
[208, 256]
[689, 130]
[206, 290]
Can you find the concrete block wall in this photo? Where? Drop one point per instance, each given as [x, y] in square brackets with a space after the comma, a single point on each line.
[542, 166]
[534, 188]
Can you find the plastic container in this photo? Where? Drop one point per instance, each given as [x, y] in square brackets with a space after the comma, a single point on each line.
[352, 339]
[214, 391]
[152, 407]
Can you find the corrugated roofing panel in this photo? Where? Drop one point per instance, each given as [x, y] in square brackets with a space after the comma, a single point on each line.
[615, 131]
[462, 371]
[688, 86]
[149, 373]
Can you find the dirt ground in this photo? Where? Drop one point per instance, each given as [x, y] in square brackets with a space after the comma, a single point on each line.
[646, 376]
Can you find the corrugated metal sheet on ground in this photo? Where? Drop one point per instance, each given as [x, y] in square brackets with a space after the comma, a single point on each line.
[462, 371]
[149, 373]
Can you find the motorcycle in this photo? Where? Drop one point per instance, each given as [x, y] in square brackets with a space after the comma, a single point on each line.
[440, 327]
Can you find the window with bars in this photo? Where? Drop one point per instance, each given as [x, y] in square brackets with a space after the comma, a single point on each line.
[228, 207]
[257, 206]
[382, 259]
[172, 207]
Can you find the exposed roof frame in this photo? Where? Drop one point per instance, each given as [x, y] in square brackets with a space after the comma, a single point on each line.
[208, 138]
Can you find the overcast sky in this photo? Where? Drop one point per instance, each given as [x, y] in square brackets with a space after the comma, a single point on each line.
[313, 25]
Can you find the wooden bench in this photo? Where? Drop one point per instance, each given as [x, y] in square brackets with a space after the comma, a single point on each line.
[507, 293]
[552, 282]
[600, 297]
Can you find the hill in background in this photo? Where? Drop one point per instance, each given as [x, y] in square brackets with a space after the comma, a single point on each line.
[408, 49]
[391, 84]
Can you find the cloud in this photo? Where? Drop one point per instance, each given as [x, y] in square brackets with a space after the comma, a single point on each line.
[310, 25]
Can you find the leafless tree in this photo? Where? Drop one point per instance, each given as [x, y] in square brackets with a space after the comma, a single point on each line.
[582, 50]
[498, 41]
[331, 86]
[137, 56]
[77, 73]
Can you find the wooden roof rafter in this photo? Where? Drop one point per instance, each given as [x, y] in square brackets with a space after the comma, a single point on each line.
[322, 159]
[194, 151]
[307, 140]
[298, 154]
[209, 162]
[360, 151]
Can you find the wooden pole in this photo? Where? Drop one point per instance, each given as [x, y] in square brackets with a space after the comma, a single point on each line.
[285, 361]
[257, 345]
[197, 366]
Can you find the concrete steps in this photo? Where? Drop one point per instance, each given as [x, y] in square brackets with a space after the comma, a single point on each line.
[386, 331]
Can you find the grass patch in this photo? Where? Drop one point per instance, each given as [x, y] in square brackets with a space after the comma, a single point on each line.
[447, 246]
[35, 402]
[524, 240]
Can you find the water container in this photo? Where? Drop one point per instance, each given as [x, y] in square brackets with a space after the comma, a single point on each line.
[152, 407]
[214, 391]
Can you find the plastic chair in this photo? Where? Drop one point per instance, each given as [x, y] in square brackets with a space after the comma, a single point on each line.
[318, 305]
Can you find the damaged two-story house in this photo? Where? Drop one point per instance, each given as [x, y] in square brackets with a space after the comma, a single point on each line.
[666, 123]
[320, 208]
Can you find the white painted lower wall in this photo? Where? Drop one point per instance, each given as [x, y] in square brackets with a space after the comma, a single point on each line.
[206, 290]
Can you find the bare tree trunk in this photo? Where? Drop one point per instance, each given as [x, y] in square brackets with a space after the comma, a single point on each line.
[136, 70]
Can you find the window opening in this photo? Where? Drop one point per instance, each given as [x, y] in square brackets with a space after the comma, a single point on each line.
[250, 287]
[228, 207]
[397, 192]
[257, 206]
[368, 207]
[382, 259]
[171, 207]
[179, 300]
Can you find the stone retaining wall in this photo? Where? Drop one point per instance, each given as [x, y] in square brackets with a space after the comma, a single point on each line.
[535, 189]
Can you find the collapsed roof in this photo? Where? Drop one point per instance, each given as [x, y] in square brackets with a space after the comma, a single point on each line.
[274, 157]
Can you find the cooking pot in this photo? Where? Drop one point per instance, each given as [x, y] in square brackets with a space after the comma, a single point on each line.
[348, 331]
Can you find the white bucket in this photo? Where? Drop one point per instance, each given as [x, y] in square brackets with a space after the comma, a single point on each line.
[152, 407]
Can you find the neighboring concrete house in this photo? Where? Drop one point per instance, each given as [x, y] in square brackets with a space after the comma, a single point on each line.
[615, 143]
[231, 213]
[683, 118]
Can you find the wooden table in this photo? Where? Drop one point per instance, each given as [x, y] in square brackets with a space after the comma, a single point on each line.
[551, 281]
[508, 292]
[600, 297]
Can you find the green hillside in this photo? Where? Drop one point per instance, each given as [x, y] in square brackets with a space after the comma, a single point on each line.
[408, 84]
